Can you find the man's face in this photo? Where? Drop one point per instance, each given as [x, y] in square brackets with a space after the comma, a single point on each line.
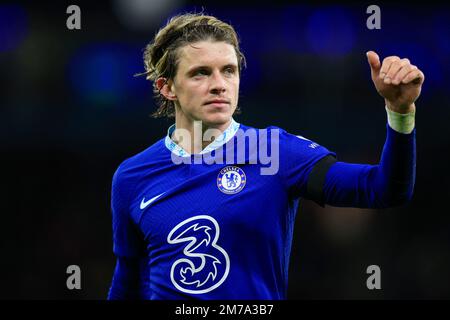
[207, 71]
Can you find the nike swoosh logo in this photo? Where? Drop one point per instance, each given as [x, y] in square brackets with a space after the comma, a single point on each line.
[145, 204]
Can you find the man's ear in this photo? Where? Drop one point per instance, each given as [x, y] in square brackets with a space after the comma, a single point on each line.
[165, 87]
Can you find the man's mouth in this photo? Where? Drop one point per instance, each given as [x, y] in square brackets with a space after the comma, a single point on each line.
[217, 102]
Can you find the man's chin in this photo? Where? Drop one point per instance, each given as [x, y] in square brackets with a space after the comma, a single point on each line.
[216, 120]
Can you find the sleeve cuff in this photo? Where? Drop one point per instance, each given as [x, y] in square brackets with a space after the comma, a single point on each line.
[403, 123]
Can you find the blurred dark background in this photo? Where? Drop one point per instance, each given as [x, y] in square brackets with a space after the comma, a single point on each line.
[71, 110]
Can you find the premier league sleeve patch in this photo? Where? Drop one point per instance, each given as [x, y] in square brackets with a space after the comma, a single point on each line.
[231, 180]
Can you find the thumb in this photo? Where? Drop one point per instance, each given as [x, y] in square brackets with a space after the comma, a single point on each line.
[374, 62]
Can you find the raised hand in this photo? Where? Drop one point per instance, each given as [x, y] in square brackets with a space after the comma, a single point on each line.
[397, 81]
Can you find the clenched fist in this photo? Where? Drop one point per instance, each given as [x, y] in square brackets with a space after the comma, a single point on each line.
[397, 81]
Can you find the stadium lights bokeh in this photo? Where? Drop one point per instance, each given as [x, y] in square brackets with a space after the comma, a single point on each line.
[329, 32]
[143, 15]
[103, 74]
[13, 26]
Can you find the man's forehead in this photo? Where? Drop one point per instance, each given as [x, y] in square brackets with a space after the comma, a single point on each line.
[205, 53]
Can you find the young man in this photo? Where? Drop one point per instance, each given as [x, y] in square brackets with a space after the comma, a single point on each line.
[214, 220]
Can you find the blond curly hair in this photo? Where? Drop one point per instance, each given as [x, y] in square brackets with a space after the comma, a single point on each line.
[161, 55]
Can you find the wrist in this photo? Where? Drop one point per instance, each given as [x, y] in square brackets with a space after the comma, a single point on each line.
[401, 122]
[402, 109]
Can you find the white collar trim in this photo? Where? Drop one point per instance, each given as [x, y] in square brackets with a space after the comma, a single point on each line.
[218, 142]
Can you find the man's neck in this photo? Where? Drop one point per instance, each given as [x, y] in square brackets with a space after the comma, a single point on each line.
[196, 135]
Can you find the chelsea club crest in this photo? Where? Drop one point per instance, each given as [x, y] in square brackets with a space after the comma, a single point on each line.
[231, 180]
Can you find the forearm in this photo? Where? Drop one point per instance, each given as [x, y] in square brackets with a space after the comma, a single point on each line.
[390, 183]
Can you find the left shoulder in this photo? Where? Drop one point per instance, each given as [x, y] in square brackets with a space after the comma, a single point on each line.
[295, 143]
[288, 137]
[287, 141]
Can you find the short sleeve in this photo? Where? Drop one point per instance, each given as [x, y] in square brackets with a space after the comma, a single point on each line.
[298, 157]
[127, 240]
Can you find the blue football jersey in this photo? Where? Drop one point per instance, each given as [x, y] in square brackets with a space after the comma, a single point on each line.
[214, 230]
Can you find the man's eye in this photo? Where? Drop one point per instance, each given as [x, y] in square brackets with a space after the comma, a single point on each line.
[229, 70]
[200, 72]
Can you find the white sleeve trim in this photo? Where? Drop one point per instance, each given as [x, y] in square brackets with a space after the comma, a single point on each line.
[403, 123]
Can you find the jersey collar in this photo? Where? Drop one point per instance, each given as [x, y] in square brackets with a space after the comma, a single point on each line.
[218, 142]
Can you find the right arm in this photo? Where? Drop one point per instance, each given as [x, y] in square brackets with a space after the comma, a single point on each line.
[130, 278]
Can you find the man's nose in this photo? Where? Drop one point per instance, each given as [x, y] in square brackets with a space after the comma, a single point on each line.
[218, 83]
